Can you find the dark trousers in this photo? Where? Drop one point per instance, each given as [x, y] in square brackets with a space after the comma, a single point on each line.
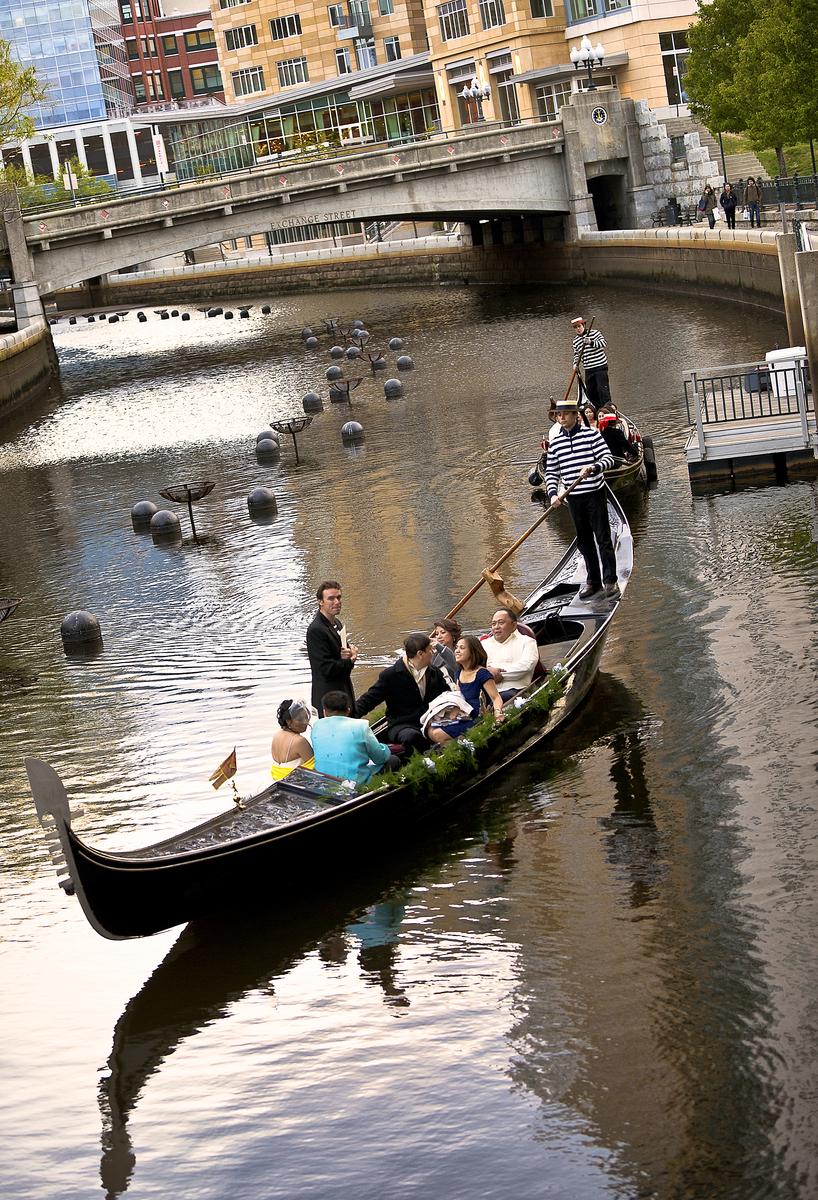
[409, 736]
[596, 385]
[590, 515]
[755, 211]
[730, 217]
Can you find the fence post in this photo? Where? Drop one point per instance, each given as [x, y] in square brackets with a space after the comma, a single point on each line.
[801, 393]
[697, 405]
[795, 185]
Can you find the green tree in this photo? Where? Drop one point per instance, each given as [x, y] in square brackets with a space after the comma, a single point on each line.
[39, 191]
[753, 68]
[20, 91]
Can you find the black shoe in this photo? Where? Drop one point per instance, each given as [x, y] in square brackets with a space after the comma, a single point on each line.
[590, 589]
[612, 591]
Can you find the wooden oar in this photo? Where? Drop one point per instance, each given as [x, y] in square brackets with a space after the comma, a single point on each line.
[508, 553]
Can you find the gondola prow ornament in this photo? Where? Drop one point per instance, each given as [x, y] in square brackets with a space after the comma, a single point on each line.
[226, 770]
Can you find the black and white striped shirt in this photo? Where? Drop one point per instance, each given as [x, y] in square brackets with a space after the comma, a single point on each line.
[594, 356]
[569, 453]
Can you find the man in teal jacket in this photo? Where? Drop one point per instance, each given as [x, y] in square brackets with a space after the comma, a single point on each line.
[346, 747]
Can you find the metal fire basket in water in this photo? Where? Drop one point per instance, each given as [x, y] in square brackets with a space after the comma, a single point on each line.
[190, 493]
[8, 607]
[293, 426]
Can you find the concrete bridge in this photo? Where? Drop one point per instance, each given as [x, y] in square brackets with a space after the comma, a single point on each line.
[536, 170]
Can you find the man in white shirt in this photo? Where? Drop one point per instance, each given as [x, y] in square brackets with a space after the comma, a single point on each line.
[512, 656]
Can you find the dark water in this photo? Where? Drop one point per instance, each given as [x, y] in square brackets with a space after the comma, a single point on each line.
[602, 981]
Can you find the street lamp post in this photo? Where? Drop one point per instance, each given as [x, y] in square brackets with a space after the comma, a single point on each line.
[476, 95]
[588, 56]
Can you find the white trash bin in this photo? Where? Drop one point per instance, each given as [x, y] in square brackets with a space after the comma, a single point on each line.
[784, 370]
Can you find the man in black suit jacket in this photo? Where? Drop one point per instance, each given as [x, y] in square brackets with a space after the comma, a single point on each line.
[331, 659]
[408, 687]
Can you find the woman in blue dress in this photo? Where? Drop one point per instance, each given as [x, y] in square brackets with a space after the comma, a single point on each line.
[475, 684]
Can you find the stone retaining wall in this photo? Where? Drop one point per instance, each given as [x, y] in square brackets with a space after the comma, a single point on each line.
[28, 364]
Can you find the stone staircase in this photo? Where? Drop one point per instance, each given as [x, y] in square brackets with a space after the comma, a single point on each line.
[739, 166]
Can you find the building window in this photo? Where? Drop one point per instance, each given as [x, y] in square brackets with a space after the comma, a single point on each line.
[365, 53]
[149, 47]
[617, 5]
[138, 89]
[492, 13]
[200, 39]
[551, 97]
[285, 27]
[342, 61]
[247, 81]
[453, 19]
[583, 9]
[386, 7]
[599, 80]
[132, 48]
[336, 16]
[674, 62]
[359, 12]
[245, 35]
[177, 84]
[127, 13]
[542, 8]
[292, 71]
[169, 44]
[155, 89]
[392, 47]
[232, 3]
[205, 79]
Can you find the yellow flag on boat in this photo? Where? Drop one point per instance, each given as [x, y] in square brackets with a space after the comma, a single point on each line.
[225, 770]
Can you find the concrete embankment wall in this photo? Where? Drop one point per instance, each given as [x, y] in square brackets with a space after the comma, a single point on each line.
[28, 364]
[740, 265]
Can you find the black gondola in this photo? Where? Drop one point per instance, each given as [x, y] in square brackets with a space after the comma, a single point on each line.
[301, 826]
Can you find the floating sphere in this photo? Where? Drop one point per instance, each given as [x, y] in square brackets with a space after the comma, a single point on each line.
[228, 316]
[268, 435]
[165, 524]
[338, 397]
[52, 321]
[265, 308]
[337, 352]
[80, 626]
[312, 401]
[357, 324]
[352, 432]
[211, 312]
[72, 320]
[261, 498]
[396, 343]
[185, 316]
[164, 316]
[393, 387]
[142, 512]
[218, 310]
[353, 352]
[405, 363]
[91, 320]
[334, 373]
[363, 333]
[311, 343]
[306, 332]
[102, 316]
[268, 448]
[141, 318]
[378, 364]
[243, 312]
[114, 320]
[174, 312]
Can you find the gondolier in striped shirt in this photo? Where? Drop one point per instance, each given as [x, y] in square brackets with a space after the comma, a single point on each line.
[589, 346]
[578, 452]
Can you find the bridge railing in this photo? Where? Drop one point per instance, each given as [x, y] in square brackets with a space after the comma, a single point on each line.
[285, 159]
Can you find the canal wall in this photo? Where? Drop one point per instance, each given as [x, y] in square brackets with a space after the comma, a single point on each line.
[28, 364]
[740, 265]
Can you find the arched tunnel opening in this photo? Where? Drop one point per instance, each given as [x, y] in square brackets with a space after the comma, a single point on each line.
[608, 194]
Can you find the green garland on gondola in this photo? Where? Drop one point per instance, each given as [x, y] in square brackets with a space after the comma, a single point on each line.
[423, 770]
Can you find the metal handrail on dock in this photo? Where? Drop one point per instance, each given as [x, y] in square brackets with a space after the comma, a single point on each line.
[757, 394]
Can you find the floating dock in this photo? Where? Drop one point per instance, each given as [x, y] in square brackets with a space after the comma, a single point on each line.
[751, 419]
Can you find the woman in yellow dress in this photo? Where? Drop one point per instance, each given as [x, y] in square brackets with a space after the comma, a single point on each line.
[290, 749]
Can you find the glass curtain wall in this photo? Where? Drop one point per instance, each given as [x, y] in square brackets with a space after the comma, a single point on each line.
[78, 49]
[208, 147]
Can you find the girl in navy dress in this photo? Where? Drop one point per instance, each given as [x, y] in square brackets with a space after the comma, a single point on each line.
[475, 684]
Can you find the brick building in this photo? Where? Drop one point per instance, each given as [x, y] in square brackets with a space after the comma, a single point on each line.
[172, 53]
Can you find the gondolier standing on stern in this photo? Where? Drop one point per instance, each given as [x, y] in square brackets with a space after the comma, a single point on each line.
[589, 349]
[578, 453]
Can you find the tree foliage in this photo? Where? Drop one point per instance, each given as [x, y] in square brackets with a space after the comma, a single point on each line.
[20, 91]
[37, 191]
[753, 68]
